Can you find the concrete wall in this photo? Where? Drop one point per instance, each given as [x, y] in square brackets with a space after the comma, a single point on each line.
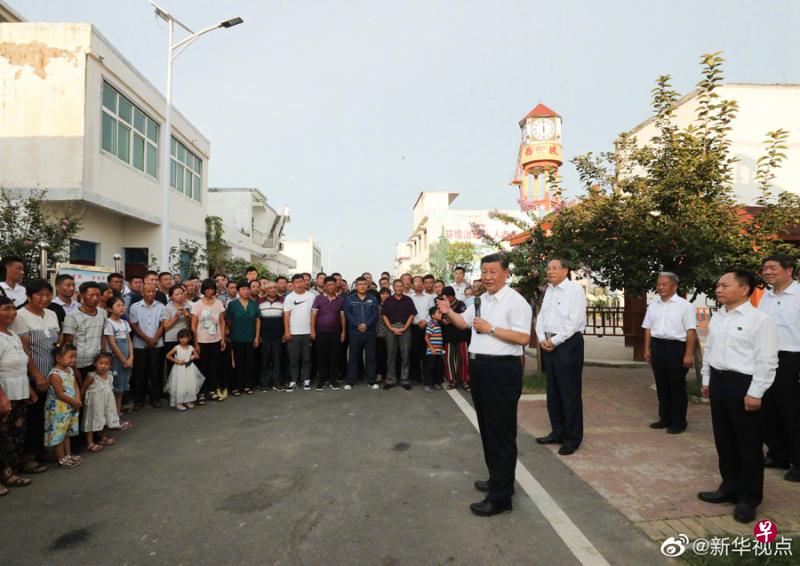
[762, 108]
[306, 253]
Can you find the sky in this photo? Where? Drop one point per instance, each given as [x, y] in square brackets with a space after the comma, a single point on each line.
[345, 110]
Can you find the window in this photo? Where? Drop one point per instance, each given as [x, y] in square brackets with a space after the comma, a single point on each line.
[82, 252]
[126, 127]
[185, 170]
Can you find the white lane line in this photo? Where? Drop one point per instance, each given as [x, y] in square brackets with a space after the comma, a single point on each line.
[572, 536]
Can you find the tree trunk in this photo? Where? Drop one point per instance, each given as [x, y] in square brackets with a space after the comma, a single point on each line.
[633, 316]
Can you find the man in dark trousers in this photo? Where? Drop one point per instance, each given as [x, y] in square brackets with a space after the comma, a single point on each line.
[559, 329]
[670, 335]
[782, 400]
[739, 364]
[501, 325]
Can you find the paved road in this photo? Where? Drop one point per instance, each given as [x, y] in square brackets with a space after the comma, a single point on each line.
[333, 477]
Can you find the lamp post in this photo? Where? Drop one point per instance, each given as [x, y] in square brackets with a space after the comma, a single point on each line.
[118, 263]
[331, 248]
[43, 248]
[173, 50]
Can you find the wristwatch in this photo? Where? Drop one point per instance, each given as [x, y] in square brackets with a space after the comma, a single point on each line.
[491, 331]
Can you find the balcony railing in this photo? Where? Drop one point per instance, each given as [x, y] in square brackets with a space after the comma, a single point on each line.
[264, 240]
[604, 321]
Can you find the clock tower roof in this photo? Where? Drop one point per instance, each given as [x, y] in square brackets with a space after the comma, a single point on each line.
[541, 111]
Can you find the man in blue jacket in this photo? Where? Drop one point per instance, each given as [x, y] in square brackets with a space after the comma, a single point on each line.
[361, 310]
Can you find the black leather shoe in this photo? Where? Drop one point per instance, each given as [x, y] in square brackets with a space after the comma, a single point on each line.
[388, 385]
[659, 424]
[566, 450]
[744, 513]
[549, 439]
[716, 497]
[676, 429]
[792, 475]
[482, 485]
[770, 462]
[487, 508]
[407, 386]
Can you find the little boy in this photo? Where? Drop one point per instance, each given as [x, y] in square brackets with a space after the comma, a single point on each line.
[434, 354]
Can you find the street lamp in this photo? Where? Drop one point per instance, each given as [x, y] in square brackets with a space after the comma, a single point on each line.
[173, 50]
[330, 255]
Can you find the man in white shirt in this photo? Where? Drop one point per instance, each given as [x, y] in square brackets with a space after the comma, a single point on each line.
[739, 363]
[12, 285]
[782, 401]
[559, 330]
[501, 326]
[459, 284]
[670, 335]
[297, 332]
[422, 302]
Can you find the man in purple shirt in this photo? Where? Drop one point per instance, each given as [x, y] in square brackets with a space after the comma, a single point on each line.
[398, 313]
[328, 332]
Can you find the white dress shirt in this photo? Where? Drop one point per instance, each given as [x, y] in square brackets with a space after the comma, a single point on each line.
[785, 309]
[423, 303]
[744, 340]
[504, 309]
[460, 288]
[671, 319]
[17, 294]
[69, 307]
[563, 312]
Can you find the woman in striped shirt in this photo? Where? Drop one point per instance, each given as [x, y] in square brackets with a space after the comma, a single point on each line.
[37, 328]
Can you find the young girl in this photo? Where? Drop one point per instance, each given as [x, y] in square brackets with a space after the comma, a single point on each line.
[100, 409]
[118, 342]
[62, 407]
[185, 379]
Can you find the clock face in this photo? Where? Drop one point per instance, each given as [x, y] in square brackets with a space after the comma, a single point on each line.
[543, 129]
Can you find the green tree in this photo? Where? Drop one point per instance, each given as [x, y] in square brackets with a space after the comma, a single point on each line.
[216, 249]
[26, 221]
[236, 268]
[187, 258]
[459, 254]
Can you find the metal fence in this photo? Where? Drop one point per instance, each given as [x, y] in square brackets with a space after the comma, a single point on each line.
[604, 321]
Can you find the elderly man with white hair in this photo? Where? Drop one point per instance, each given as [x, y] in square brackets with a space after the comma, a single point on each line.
[670, 337]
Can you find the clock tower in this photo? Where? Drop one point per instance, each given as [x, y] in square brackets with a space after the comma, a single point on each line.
[539, 152]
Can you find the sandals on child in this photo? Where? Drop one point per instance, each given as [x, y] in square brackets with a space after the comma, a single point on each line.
[32, 467]
[15, 481]
[107, 441]
[70, 461]
[94, 447]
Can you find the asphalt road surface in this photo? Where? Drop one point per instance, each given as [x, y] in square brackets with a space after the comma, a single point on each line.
[329, 478]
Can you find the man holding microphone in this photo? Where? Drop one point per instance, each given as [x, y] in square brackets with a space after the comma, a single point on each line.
[501, 323]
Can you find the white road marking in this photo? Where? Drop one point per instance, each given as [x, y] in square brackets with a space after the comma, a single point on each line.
[573, 538]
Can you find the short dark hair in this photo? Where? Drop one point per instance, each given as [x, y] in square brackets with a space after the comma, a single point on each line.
[86, 285]
[449, 291]
[251, 268]
[63, 277]
[132, 277]
[5, 301]
[432, 310]
[229, 283]
[565, 263]
[151, 272]
[322, 273]
[175, 288]
[208, 284]
[114, 276]
[417, 277]
[113, 301]
[220, 275]
[330, 279]
[386, 273]
[361, 278]
[785, 261]
[185, 332]
[306, 273]
[384, 290]
[63, 349]
[243, 284]
[743, 277]
[397, 281]
[163, 273]
[279, 277]
[459, 268]
[37, 285]
[297, 276]
[428, 276]
[336, 274]
[103, 355]
[9, 259]
[439, 281]
[502, 259]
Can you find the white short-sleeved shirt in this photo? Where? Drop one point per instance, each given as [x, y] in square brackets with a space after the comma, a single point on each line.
[785, 309]
[119, 330]
[17, 294]
[13, 367]
[148, 317]
[300, 307]
[87, 332]
[671, 319]
[460, 288]
[42, 334]
[423, 304]
[504, 309]
[563, 312]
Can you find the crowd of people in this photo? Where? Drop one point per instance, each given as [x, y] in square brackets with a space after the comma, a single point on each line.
[74, 361]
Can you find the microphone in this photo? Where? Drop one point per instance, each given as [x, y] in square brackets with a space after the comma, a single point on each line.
[477, 307]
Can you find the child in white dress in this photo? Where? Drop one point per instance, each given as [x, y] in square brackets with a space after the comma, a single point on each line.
[99, 404]
[184, 379]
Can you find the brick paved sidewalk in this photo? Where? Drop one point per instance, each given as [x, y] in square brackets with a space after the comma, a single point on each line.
[650, 476]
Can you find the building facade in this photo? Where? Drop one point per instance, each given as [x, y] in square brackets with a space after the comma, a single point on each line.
[306, 253]
[762, 108]
[80, 123]
[433, 217]
[253, 229]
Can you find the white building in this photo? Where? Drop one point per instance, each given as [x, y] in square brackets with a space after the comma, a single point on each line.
[433, 217]
[80, 122]
[762, 108]
[253, 229]
[306, 253]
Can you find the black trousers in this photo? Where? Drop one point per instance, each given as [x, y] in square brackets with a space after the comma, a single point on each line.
[34, 433]
[781, 411]
[564, 369]
[434, 370]
[327, 350]
[244, 355]
[496, 387]
[148, 374]
[361, 344]
[272, 370]
[417, 354]
[666, 358]
[738, 437]
[380, 356]
[209, 365]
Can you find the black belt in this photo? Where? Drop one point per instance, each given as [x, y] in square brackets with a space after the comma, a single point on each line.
[667, 340]
[494, 358]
